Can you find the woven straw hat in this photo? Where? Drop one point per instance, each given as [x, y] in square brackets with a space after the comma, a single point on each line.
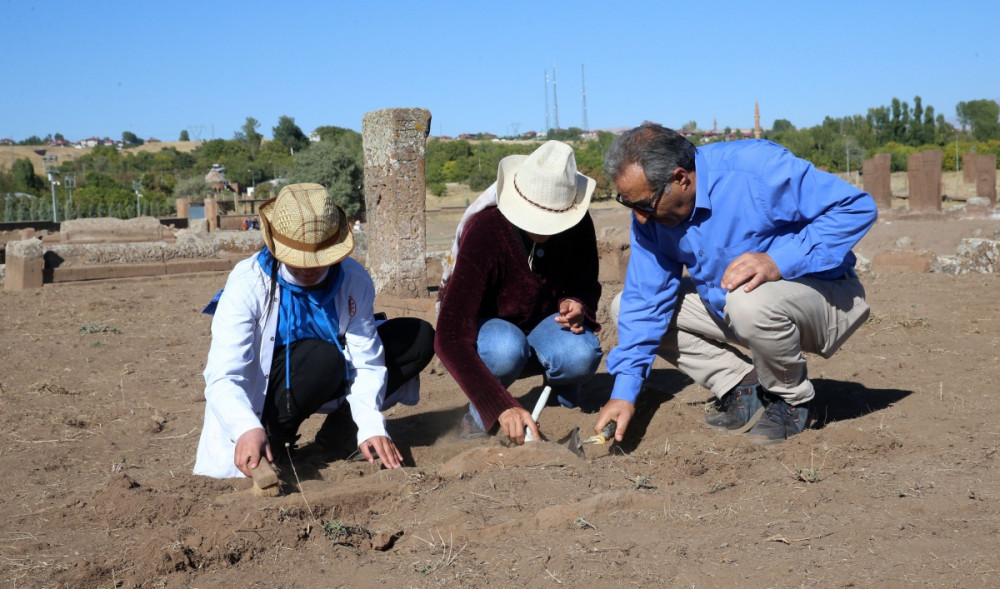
[542, 193]
[304, 228]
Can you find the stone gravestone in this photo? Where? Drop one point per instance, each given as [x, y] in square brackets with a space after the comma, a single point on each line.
[877, 179]
[986, 177]
[25, 265]
[924, 178]
[394, 140]
[969, 167]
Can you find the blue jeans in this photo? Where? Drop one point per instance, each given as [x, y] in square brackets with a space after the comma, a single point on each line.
[567, 359]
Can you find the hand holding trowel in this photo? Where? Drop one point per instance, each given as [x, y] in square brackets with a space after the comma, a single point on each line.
[607, 435]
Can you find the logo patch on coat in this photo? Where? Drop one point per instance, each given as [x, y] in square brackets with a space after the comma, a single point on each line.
[352, 307]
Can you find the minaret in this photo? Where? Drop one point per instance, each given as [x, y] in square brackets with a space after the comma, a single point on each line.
[756, 120]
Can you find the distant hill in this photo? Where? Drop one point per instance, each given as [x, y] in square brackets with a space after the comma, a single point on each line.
[10, 153]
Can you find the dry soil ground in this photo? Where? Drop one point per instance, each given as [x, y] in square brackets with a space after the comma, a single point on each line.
[101, 406]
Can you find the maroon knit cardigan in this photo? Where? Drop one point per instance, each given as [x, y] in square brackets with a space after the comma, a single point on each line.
[491, 279]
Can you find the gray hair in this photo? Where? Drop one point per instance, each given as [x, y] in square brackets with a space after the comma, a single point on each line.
[658, 151]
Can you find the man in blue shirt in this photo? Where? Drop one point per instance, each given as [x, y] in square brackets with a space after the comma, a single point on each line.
[766, 239]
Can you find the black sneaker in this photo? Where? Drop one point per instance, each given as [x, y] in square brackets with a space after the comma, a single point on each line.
[741, 408]
[780, 422]
[339, 434]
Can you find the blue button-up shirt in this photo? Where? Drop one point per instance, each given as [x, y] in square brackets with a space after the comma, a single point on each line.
[751, 196]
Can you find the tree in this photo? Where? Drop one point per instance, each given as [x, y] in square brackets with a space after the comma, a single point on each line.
[195, 189]
[347, 137]
[250, 136]
[689, 126]
[103, 191]
[130, 139]
[33, 140]
[782, 125]
[184, 136]
[24, 177]
[982, 115]
[335, 167]
[290, 134]
[273, 161]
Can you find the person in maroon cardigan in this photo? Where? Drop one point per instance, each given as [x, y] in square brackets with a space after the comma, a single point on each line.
[522, 296]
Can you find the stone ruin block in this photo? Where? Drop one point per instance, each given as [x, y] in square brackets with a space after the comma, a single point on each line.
[969, 167]
[111, 230]
[986, 177]
[978, 255]
[924, 178]
[25, 261]
[394, 142]
[877, 176]
[183, 208]
[901, 262]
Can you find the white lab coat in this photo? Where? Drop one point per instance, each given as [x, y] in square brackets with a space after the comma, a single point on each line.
[239, 362]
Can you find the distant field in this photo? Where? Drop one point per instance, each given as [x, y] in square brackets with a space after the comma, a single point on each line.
[9, 153]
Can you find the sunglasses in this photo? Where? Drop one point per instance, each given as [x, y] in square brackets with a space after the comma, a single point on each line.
[646, 206]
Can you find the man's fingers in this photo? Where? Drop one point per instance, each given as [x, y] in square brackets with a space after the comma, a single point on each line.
[622, 426]
[754, 282]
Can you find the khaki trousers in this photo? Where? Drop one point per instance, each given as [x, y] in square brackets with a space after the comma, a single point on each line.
[777, 322]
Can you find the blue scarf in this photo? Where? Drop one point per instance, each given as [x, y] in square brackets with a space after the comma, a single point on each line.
[305, 313]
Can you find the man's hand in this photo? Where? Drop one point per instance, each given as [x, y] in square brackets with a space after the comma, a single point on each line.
[570, 316]
[512, 424]
[752, 269]
[250, 447]
[615, 410]
[385, 450]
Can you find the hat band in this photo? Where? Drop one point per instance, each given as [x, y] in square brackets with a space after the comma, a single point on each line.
[535, 204]
[302, 246]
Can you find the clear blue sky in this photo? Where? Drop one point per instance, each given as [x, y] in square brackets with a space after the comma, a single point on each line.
[97, 68]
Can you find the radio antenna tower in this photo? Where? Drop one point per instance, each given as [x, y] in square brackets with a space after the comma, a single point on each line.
[555, 99]
[546, 129]
[583, 82]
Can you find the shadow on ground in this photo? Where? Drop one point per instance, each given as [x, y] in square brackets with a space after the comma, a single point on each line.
[839, 400]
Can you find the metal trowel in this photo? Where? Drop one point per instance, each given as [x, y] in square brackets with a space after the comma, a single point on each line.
[576, 444]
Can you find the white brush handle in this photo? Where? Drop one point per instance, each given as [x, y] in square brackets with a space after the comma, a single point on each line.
[542, 400]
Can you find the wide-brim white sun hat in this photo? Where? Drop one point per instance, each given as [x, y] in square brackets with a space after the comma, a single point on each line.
[542, 193]
[304, 228]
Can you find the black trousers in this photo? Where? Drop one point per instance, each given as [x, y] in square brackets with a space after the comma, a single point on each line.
[318, 374]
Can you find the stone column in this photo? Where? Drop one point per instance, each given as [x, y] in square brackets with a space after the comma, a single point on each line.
[211, 214]
[182, 208]
[986, 177]
[25, 265]
[877, 179]
[394, 140]
[969, 167]
[924, 177]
